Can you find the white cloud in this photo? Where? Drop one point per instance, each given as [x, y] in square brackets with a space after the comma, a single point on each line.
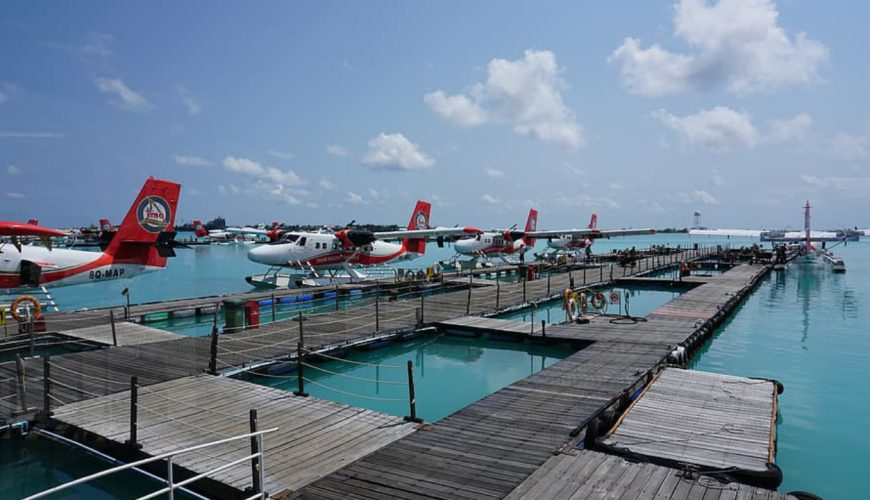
[190, 102]
[354, 198]
[494, 172]
[850, 146]
[96, 45]
[704, 197]
[856, 185]
[327, 185]
[13, 170]
[190, 161]
[716, 178]
[234, 189]
[524, 94]
[737, 44]
[395, 152]
[6, 89]
[488, 198]
[586, 201]
[222, 189]
[719, 128]
[124, 97]
[459, 109]
[281, 155]
[14, 195]
[250, 167]
[29, 135]
[336, 150]
[790, 130]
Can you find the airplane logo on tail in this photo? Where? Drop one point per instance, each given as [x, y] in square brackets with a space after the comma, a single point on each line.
[420, 220]
[153, 214]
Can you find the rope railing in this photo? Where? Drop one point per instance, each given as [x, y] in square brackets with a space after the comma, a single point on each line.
[355, 395]
[351, 377]
[92, 377]
[349, 361]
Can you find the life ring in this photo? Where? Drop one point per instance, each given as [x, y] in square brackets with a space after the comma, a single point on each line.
[614, 297]
[37, 307]
[599, 301]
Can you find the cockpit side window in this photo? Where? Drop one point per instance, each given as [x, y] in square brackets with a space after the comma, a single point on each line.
[302, 241]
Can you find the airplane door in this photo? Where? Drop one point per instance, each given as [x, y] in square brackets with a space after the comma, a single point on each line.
[30, 273]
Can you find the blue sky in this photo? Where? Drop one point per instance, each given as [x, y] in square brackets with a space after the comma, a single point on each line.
[322, 112]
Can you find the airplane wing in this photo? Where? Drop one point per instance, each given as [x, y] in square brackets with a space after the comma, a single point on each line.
[589, 233]
[437, 232]
[247, 230]
[751, 233]
[16, 229]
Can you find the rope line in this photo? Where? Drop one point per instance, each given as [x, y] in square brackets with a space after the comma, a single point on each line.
[391, 400]
[362, 379]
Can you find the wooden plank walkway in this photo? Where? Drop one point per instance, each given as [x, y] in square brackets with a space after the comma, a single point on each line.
[703, 419]
[489, 448]
[126, 333]
[582, 474]
[314, 437]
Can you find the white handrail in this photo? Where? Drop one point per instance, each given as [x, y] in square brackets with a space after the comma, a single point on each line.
[167, 455]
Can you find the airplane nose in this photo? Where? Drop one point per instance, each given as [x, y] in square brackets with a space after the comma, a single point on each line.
[260, 254]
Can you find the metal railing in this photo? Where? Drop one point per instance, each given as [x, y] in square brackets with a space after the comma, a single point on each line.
[256, 459]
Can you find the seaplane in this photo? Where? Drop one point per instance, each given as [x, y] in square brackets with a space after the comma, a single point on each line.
[237, 234]
[141, 244]
[577, 240]
[499, 243]
[348, 251]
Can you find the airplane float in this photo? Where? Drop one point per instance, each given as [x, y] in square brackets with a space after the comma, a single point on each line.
[141, 244]
[344, 249]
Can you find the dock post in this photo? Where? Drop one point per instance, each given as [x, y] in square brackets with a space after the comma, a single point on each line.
[273, 308]
[611, 272]
[422, 309]
[600, 273]
[212, 358]
[300, 375]
[32, 334]
[548, 284]
[377, 313]
[412, 400]
[336, 297]
[543, 329]
[468, 302]
[22, 393]
[134, 413]
[532, 320]
[497, 290]
[419, 314]
[114, 333]
[301, 332]
[256, 467]
[46, 390]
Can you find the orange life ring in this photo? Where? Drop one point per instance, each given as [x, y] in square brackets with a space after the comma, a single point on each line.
[599, 301]
[37, 307]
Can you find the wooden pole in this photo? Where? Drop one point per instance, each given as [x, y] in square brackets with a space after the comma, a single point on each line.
[412, 400]
[422, 309]
[468, 302]
[300, 374]
[134, 413]
[377, 313]
[22, 393]
[301, 332]
[273, 308]
[497, 290]
[114, 333]
[548, 285]
[46, 389]
[32, 334]
[212, 359]
[336, 297]
[255, 450]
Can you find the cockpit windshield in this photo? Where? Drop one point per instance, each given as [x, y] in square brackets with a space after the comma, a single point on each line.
[285, 238]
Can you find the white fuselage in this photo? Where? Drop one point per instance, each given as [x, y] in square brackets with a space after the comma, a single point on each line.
[489, 243]
[566, 242]
[325, 251]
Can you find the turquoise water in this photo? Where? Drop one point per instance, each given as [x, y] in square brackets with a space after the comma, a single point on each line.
[450, 373]
[32, 463]
[807, 328]
[641, 302]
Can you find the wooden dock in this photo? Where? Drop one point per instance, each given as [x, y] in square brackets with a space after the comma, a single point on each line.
[706, 420]
[583, 474]
[125, 333]
[314, 437]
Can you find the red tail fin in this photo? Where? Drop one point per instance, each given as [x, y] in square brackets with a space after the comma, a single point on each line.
[151, 214]
[419, 220]
[199, 230]
[105, 225]
[593, 222]
[531, 225]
